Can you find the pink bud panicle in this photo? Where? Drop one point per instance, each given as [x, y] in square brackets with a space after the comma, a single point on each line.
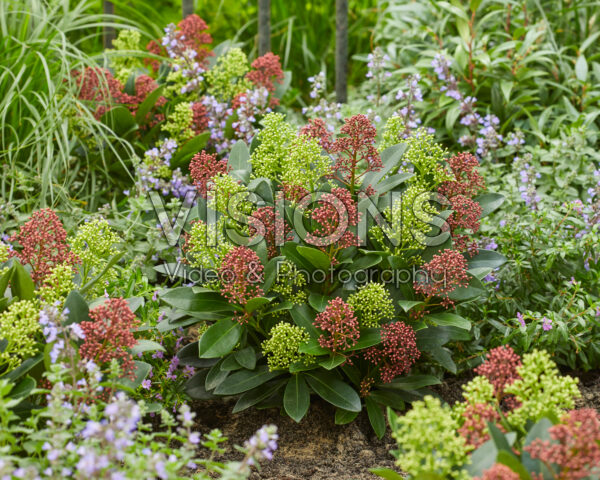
[43, 244]
[397, 352]
[110, 334]
[339, 325]
[575, 449]
[203, 167]
[241, 274]
[445, 272]
[500, 368]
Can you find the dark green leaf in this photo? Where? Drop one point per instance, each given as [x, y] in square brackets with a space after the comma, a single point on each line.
[257, 395]
[215, 376]
[333, 361]
[413, 382]
[342, 417]
[407, 305]
[318, 301]
[331, 389]
[21, 284]
[317, 258]
[246, 358]
[220, 339]
[296, 398]
[489, 202]
[447, 318]
[185, 299]
[78, 308]
[245, 380]
[376, 417]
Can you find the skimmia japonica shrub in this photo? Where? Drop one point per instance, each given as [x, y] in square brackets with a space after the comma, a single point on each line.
[516, 421]
[328, 263]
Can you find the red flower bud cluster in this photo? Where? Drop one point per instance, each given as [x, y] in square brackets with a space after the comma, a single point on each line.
[316, 128]
[110, 334]
[98, 85]
[466, 215]
[267, 70]
[357, 146]
[294, 193]
[266, 222]
[336, 212]
[241, 274]
[500, 368]
[575, 449]
[445, 272]
[474, 429]
[43, 244]
[498, 472]
[203, 167]
[199, 118]
[339, 325]
[468, 180]
[193, 34]
[397, 353]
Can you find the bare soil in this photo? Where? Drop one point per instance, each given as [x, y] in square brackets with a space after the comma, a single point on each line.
[317, 449]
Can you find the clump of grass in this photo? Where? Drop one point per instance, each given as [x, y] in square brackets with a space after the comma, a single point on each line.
[42, 161]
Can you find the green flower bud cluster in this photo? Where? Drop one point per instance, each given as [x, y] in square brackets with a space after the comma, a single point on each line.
[305, 164]
[541, 390]
[392, 135]
[408, 222]
[18, 328]
[286, 156]
[267, 159]
[226, 193]
[423, 153]
[57, 285]
[206, 245]
[429, 441]
[95, 244]
[426, 156]
[372, 305]
[179, 123]
[4, 249]
[227, 78]
[281, 349]
[125, 64]
[478, 390]
[290, 283]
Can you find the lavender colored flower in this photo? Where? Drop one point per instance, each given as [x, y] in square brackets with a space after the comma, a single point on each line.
[546, 324]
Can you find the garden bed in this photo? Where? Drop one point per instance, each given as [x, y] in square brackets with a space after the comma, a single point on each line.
[318, 449]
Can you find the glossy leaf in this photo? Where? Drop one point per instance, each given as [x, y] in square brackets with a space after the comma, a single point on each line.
[219, 339]
[296, 398]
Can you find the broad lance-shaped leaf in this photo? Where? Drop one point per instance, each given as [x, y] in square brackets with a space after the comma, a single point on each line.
[376, 417]
[146, 346]
[245, 380]
[296, 398]
[316, 257]
[489, 202]
[342, 417]
[331, 389]
[185, 299]
[219, 339]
